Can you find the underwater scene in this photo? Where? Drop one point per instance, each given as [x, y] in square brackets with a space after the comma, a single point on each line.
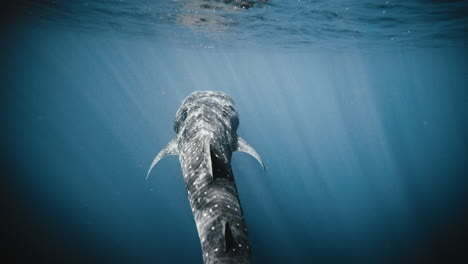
[357, 110]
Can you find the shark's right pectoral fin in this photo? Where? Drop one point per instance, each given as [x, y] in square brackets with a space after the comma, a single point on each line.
[243, 146]
[170, 149]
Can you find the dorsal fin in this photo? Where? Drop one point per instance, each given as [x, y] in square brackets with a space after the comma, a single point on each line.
[170, 149]
[215, 165]
[218, 167]
[243, 146]
[207, 151]
[229, 242]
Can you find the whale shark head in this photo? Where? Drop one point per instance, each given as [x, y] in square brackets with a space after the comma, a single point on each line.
[207, 118]
[210, 105]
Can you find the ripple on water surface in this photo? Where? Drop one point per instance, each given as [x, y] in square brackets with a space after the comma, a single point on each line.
[277, 23]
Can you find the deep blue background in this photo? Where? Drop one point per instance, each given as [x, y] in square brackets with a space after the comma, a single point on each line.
[365, 148]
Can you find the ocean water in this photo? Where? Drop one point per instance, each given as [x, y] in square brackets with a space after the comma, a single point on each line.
[359, 110]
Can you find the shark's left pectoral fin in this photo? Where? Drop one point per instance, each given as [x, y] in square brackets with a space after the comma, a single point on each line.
[243, 146]
[170, 149]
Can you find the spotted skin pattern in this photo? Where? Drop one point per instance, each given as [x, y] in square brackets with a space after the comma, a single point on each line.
[206, 125]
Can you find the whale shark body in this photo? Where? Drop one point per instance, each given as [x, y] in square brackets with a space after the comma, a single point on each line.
[206, 125]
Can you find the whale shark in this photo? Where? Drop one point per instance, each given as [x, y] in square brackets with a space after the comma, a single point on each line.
[206, 125]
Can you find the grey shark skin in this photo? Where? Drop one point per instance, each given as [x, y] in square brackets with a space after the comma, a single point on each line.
[206, 125]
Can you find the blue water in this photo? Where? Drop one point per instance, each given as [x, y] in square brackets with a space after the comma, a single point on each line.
[359, 110]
